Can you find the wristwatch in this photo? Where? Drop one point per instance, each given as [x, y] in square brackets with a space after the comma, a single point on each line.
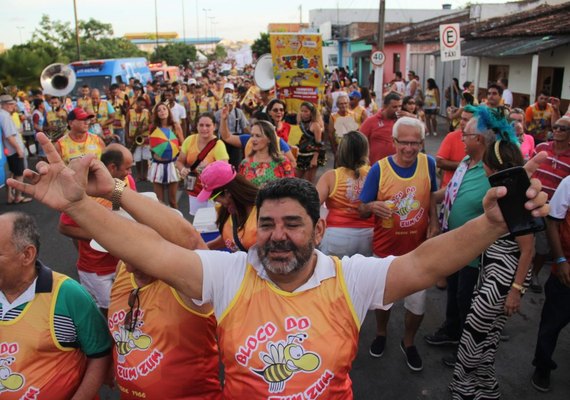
[117, 194]
[518, 287]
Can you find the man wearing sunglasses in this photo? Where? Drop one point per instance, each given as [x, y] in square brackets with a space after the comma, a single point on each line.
[288, 316]
[398, 191]
[54, 341]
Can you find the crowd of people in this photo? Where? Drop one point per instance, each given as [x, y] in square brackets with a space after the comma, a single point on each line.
[282, 305]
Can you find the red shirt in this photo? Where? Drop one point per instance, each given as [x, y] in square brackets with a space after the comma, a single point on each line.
[378, 131]
[452, 148]
[555, 168]
[284, 131]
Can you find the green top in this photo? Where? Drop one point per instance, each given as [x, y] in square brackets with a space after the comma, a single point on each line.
[469, 201]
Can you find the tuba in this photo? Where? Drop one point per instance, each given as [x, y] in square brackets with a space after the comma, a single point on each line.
[57, 80]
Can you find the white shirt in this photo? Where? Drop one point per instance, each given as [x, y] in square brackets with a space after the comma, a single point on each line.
[560, 202]
[507, 97]
[178, 113]
[365, 278]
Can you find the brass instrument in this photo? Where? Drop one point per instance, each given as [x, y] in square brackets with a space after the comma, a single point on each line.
[57, 79]
[138, 137]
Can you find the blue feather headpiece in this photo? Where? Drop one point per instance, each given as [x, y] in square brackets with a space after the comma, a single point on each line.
[494, 119]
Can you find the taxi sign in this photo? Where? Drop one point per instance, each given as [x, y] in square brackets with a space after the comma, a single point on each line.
[449, 42]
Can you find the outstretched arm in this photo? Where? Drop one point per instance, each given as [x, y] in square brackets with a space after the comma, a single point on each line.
[432, 260]
[64, 188]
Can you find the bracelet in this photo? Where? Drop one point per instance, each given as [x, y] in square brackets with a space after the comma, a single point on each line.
[560, 260]
[117, 194]
[518, 287]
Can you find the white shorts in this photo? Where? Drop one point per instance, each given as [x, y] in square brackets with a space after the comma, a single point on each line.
[342, 242]
[98, 286]
[195, 205]
[142, 153]
[415, 302]
[164, 173]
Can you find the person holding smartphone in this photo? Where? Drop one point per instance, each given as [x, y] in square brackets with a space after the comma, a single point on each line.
[503, 278]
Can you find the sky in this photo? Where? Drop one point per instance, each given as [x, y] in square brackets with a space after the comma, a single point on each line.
[232, 19]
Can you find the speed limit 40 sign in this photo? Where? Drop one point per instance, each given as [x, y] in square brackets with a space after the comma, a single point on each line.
[449, 42]
[377, 58]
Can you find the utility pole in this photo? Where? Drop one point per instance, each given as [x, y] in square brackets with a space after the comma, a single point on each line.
[183, 23]
[76, 31]
[379, 71]
[156, 24]
[197, 24]
[300, 15]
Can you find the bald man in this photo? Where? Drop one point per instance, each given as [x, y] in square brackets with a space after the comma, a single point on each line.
[102, 124]
[97, 269]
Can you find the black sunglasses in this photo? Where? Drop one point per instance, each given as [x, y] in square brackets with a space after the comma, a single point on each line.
[132, 316]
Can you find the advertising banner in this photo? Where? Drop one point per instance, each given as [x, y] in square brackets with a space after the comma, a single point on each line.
[298, 68]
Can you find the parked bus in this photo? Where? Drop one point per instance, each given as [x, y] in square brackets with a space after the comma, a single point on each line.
[101, 74]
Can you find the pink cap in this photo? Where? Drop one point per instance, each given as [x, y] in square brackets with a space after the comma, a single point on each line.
[214, 176]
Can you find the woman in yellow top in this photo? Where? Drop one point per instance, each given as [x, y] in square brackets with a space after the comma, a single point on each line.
[237, 215]
[162, 172]
[347, 233]
[197, 151]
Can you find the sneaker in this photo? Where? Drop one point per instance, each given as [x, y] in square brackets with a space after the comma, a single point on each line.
[541, 380]
[377, 347]
[413, 358]
[449, 361]
[440, 338]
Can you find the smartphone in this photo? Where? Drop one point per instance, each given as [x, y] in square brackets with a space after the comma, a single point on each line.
[519, 220]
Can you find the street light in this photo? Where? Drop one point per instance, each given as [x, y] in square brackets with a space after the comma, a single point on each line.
[19, 28]
[212, 23]
[183, 22]
[206, 20]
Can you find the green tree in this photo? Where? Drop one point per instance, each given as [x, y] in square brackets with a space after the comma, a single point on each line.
[174, 53]
[219, 53]
[22, 65]
[261, 45]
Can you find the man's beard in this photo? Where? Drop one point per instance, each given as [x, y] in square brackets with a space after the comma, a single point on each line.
[283, 266]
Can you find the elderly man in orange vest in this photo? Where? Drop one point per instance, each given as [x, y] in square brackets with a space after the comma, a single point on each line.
[54, 343]
[398, 190]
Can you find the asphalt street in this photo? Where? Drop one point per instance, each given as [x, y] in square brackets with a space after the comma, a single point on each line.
[387, 377]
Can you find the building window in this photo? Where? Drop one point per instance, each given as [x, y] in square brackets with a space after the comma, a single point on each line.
[333, 60]
[497, 72]
[396, 62]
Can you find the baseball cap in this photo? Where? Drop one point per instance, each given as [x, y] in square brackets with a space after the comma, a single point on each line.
[191, 81]
[355, 94]
[354, 80]
[6, 98]
[79, 113]
[214, 176]
[229, 86]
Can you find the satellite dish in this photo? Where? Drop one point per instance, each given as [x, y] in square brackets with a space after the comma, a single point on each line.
[263, 73]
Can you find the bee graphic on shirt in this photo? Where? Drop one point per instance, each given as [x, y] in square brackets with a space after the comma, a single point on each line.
[408, 203]
[285, 359]
[127, 341]
[9, 381]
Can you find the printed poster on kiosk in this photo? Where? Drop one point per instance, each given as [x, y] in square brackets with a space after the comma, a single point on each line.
[298, 68]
